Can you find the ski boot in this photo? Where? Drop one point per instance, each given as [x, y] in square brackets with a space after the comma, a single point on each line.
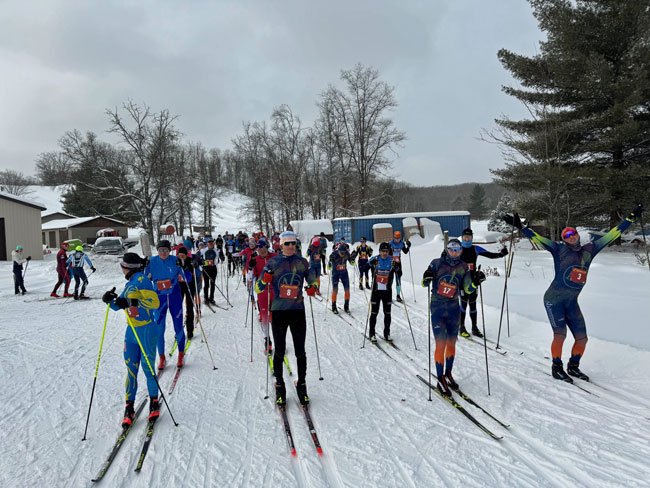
[476, 332]
[388, 337]
[559, 373]
[268, 346]
[53, 294]
[442, 387]
[154, 409]
[346, 307]
[280, 394]
[368, 285]
[334, 309]
[161, 364]
[361, 285]
[399, 299]
[76, 295]
[573, 370]
[129, 415]
[463, 331]
[373, 338]
[301, 388]
[179, 363]
[67, 295]
[450, 381]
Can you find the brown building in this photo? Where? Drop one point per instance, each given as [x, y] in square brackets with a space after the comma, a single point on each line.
[20, 223]
[83, 228]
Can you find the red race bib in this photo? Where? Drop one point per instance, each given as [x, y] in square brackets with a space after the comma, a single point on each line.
[208, 262]
[340, 267]
[578, 275]
[446, 290]
[382, 279]
[164, 284]
[132, 312]
[470, 266]
[289, 291]
[316, 257]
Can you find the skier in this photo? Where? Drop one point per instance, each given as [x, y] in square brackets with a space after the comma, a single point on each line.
[448, 275]
[18, 260]
[397, 247]
[256, 265]
[315, 258]
[285, 274]
[76, 262]
[338, 267]
[62, 271]
[140, 301]
[469, 256]
[165, 270]
[364, 252]
[246, 255]
[572, 261]
[275, 240]
[188, 288]
[230, 244]
[383, 271]
[210, 257]
[323, 251]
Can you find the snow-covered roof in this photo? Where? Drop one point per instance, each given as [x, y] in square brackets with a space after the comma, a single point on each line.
[25, 201]
[382, 226]
[67, 223]
[450, 213]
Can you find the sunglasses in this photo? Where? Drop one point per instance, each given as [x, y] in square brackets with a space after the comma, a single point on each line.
[163, 249]
[290, 243]
[453, 249]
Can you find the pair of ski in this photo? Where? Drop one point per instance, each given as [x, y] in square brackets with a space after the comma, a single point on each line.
[310, 425]
[461, 409]
[479, 342]
[286, 362]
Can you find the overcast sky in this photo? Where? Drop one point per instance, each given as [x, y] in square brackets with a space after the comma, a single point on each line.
[219, 63]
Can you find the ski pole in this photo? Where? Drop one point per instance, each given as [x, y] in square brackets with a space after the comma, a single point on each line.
[429, 328]
[409, 321]
[99, 356]
[219, 289]
[266, 352]
[329, 282]
[252, 314]
[505, 287]
[155, 376]
[365, 295]
[25, 272]
[198, 318]
[412, 284]
[645, 244]
[246, 319]
[487, 370]
[313, 323]
[365, 331]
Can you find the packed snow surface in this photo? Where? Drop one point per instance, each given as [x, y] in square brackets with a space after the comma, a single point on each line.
[372, 415]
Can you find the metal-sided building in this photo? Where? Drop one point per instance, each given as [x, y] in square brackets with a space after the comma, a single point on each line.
[351, 229]
[83, 228]
[20, 223]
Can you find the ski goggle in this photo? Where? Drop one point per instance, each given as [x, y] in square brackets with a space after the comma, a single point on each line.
[163, 249]
[569, 232]
[453, 248]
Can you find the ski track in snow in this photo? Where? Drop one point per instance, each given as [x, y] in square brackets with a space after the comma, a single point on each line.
[371, 413]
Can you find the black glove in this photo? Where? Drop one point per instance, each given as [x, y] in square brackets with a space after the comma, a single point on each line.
[478, 278]
[513, 220]
[408, 243]
[252, 262]
[109, 296]
[394, 264]
[93, 269]
[29, 258]
[122, 303]
[636, 212]
[504, 251]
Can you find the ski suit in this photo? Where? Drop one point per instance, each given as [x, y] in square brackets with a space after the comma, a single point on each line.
[561, 298]
[396, 249]
[141, 288]
[62, 271]
[265, 297]
[230, 249]
[382, 282]
[18, 260]
[165, 276]
[210, 272]
[363, 252]
[315, 258]
[323, 253]
[469, 255]
[338, 267]
[288, 307]
[448, 276]
[76, 261]
[188, 291]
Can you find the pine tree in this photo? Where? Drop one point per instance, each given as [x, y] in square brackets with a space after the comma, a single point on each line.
[496, 222]
[476, 202]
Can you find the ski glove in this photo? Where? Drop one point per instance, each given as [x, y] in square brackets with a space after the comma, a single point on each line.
[252, 262]
[426, 280]
[267, 278]
[122, 302]
[93, 269]
[311, 290]
[513, 220]
[504, 251]
[408, 243]
[109, 296]
[29, 258]
[394, 264]
[352, 262]
[478, 278]
[636, 212]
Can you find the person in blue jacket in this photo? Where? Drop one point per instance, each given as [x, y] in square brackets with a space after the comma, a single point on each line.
[572, 261]
[447, 276]
[165, 271]
[398, 246]
[338, 267]
[76, 262]
[230, 244]
[140, 301]
[286, 274]
[383, 271]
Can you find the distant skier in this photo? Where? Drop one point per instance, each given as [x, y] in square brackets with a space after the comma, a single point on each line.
[286, 274]
[447, 276]
[19, 260]
[210, 258]
[397, 248]
[323, 251]
[338, 267]
[383, 272]
[363, 251]
[469, 255]
[62, 271]
[140, 301]
[188, 288]
[76, 262]
[256, 266]
[315, 258]
[572, 261]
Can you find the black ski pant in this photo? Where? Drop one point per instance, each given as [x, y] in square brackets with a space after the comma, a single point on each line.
[294, 320]
[18, 282]
[466, 299]
[210, 273]
[322, 260]
[187, 292]
[231, 264]
[386, 298]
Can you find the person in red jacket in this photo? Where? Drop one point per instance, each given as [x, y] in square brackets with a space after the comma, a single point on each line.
[62, 270]
[256, 264]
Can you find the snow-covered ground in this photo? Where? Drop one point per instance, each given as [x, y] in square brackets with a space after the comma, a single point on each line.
[372, 415]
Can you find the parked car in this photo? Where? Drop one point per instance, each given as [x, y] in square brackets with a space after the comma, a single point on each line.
[108, 245]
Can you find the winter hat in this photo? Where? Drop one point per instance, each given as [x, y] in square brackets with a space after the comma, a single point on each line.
[78, 248]
[164, 243]
[384, 246]
[132, 260]
[288, 236]
[181, 250]
[19, 247]
[188, 243]
[201, 244]
[263, 243]
[468, 232]
[454, 245]
[315, 241]
[397, 234]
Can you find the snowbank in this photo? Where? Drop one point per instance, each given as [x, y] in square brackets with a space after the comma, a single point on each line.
[306, 229]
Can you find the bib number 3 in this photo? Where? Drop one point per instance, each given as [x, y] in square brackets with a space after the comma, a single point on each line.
[578, 276]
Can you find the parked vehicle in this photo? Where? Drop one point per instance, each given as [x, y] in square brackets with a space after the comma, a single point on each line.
[109, 245]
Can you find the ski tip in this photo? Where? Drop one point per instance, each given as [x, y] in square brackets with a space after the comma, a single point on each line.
[319, 450]
[294, 453]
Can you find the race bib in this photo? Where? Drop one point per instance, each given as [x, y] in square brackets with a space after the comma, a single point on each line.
[397, 255]
[164, 284]
[446, 290]
[382, 279]
[578, 275]
[230, 249]
[208, 262]
[470, 266]
[316, 257]
[362, 255]
[289, 291]
[340, 267]
[132, 312]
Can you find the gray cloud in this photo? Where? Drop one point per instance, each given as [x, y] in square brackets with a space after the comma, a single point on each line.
[219, 63]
